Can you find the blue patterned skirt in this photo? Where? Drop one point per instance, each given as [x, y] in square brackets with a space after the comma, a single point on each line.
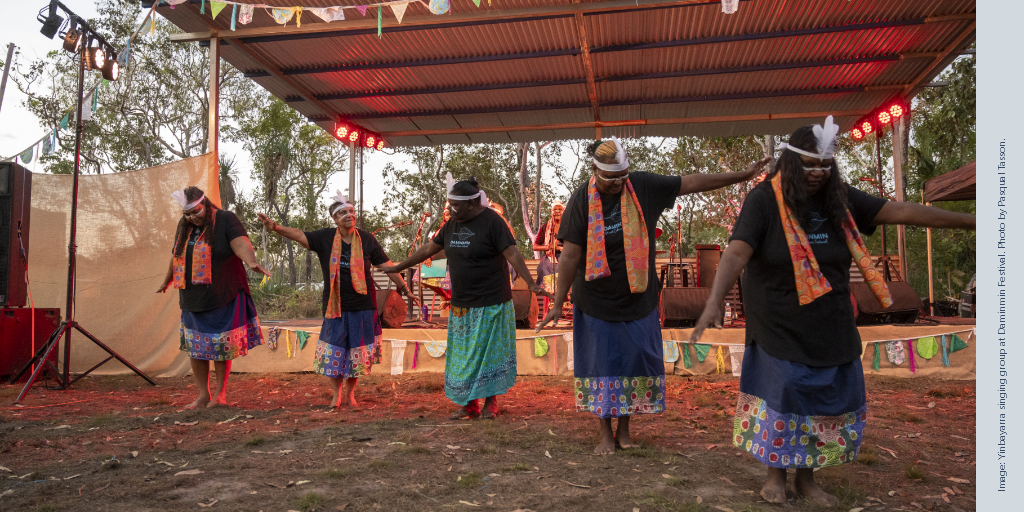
[348, 345]
[481, 357]
[619, 366]
[790, 415]
[221, 334]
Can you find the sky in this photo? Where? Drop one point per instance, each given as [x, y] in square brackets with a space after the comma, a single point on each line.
[19, 128]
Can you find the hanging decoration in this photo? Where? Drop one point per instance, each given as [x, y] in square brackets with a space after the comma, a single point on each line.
[26, 157]
[234, 15]
[49, 143]
[927, 347]
[876, 364]
[910, 355]
[945, 354]
[362, 9]
[686, 356]
[477, 3]
[720, 361]
[540, 347]
[329, 14]
[439, 6]
[570, 362]
[202, 6]
[216, 8]
[379, 22]
[736, 357]
[701, 350]
[397, 357]
[671, 351]
[399, 11]
[730, 6]
[245, 14]
[436, 348]
[895, 352]
[957, 344]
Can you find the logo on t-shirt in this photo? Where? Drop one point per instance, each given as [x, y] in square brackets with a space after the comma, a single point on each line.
[814, 223]
[345, 260]
[461, 237]
[613, 222]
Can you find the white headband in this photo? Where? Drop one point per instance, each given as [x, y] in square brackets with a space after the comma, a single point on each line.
[339, 197]
[826, 135]
[450, 183]
[622, 159]
[179, 196]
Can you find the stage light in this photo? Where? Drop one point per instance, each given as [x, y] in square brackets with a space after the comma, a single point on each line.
[857, 133]
[353, 134]
[111, 70]
[72, 39]
[370, 141]
[867, 127]
[52, 22]
[340, 130]
[380, 144]
[884, 117]
[896, 110]
[95, 58]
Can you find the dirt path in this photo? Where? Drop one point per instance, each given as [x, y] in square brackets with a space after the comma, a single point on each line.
[120, 442]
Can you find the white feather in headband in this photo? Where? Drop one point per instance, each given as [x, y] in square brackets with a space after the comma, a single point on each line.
[826, 135]
[179, 196]
[450, 184]
[339, 197]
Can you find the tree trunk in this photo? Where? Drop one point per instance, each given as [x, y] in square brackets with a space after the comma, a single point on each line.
[525, 205]
[309, 269]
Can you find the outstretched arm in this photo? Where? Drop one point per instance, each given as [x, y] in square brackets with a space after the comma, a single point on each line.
[291, 233]
[571, 254]
[425, 251]
[734, 259]
[702, 182]
[513, 256]
[243, 249]
[913, 214]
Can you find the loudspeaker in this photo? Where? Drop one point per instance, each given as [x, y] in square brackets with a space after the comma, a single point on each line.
[683, 306]
[708, 257]
[15, 209]
[906, 305]
[391, 308]
[16, 337]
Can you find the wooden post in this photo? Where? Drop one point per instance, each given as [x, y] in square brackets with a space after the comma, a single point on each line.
[931, 290]
[897, 171]
[214, 107]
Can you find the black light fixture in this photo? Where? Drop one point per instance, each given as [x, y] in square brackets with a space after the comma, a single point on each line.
[94, 57]
[72, 38]
[52, 22]
[111, 69]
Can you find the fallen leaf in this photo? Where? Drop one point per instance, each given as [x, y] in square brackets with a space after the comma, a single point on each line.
[958, 480]
[945, 497]
[341, 507]
[636, 509]
[957, 490]
[165, 462]
[468, 503]
[959, 437]
[700, 500]
[931, 405]
[888, 450]
[916, 504]
[712, 446]
[284, 452]
[577, 485]
[450, 447]
[892, 493]
[949, 491]
[134, 454]
[727, 480]
[210, 504]
[458, 458]
[72, 476]
[300, 482]
[663, 475]
[547, 454]
[231, 419]
[724, 509]
[189, 424]
[4, 469]
[396, 442]
[58, 427]
[189, 472]
[552, 433]
[858, 509]
[573, 463]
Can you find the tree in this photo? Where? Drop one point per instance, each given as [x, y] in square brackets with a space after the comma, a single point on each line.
[156, 112]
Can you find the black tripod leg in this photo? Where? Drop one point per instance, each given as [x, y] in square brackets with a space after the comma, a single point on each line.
[53, 342]
[113, 354]
[38, 356]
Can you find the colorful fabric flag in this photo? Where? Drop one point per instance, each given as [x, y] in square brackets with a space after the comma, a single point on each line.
[245, 15]
[64, 122]
[701, 350]
[957, 344]
[686, 356]
[216, 8]
[876, 364]
[49, 143]
[730, 6]
[671, 351]
[399, 10]
[26, 157]
[736, 355]
[175, 2]
[910, 355]
[570, 362]
[362, 9]
[477, 2]
[303, 338]
[439, 6]
[397, 357]
[234, 15]
[895, 352]
[436, 348]
[540, 347]
[202, 6]
[95, 99]
[379, 20]
[720, 361]
[945, 352]
[328, 14]
[927, 347]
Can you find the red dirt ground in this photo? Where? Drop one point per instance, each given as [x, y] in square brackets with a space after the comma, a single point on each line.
[118, 442]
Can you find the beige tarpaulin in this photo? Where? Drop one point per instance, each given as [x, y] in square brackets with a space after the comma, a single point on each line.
[126, 224]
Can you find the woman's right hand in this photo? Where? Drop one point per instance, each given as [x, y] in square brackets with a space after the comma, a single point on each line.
[163, 288]
[553, 314]
[266, 221]
[712, 316]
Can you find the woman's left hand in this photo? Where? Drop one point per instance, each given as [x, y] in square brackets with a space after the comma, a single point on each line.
[256, 267]
[541, 291]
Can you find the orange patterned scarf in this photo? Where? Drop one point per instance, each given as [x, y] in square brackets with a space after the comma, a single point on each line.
[634, 237]
[356, 270]
[202, 263]
[810, 283]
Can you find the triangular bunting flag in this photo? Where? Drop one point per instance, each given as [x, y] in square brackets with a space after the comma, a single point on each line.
[477, 2]
[701, 350]
[686, 355]
[64, 122]
[48, 143]
[362, 9]
[399, 10]
[328, 14]
[216, 8]
[958, 344]
[95, 99]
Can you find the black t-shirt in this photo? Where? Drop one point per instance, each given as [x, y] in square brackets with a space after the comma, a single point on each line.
[321, 242]
[608, 298]
[479, 271]
[229, 276]
[822, 333]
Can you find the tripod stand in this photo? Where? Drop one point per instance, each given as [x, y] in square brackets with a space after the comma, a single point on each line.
[64, 329]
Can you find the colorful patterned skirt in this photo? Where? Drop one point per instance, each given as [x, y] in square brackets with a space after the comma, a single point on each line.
[481, 358]
[619, 366]
[349, 345]
[221, 334]
[790, 415]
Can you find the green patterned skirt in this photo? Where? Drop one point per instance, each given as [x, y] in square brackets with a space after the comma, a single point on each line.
[481, 357]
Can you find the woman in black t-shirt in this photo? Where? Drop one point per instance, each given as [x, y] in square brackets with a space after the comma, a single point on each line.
[607, 259]
[481, 356]
[802, 401]
[218, 317]
[350, 334]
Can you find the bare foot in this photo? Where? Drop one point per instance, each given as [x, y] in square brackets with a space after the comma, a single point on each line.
[622, 438]
[468, 412]
[805, 486]
[774, 490]
[352, 401]
[605, 447]
[201, 401]
[490, 410]
[220, 401]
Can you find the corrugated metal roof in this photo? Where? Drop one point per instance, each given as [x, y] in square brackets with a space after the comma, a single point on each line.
[518, 71]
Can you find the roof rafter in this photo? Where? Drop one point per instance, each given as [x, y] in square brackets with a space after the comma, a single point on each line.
[588, 69]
